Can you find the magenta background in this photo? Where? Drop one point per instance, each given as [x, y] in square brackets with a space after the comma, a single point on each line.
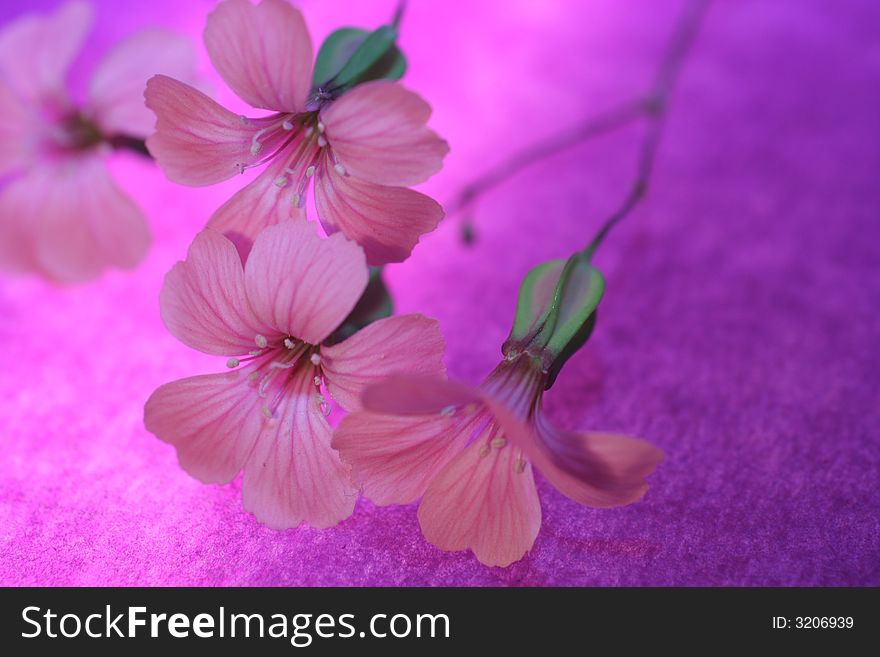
[739, 332]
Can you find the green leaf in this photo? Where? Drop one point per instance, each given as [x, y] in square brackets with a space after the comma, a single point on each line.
[556, 309]
[379, 42]
[335, 52]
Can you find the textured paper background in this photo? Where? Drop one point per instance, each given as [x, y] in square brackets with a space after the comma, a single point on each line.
[739, 332]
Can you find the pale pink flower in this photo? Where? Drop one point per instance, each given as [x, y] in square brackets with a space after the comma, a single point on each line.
[363, 150]
[267, 415]
[61, 214]
[469, 452]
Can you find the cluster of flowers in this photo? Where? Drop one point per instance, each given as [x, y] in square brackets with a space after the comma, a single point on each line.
[261, 287]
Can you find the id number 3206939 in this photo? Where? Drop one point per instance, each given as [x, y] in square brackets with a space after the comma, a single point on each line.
[813, 622]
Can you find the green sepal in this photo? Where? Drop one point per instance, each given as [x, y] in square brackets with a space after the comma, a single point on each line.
[350, 56]
[556, 310]
[375, 303]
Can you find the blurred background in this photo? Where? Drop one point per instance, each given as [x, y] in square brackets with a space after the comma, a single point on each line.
[739, 330]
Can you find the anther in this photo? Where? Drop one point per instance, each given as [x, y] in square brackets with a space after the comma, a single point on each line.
[253, 376]
[339, 169]
[261, 341]
[520, 466]
[266, 412]
[321, 141]
[315, 358]
[317, 381]
[287, 125]
[484, 451]
[320, 127]
[288, 343]
[280, 181]
[295, 199]
[232, 362]
[498, 443]
[447, 410]
[310, 171]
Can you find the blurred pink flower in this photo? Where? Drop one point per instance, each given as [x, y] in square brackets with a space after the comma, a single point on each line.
[268, 416]
[362, 150]
[61, 214]
[468, 453]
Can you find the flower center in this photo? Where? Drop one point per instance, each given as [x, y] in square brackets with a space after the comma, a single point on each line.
[73, 133]
[277, 366]
[300, 140]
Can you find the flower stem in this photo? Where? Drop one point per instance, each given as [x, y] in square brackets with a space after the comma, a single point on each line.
[650, 106]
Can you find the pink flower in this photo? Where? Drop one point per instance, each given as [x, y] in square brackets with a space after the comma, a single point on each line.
[61, 214]
[362, 150]
[469, 452]
[267, 416]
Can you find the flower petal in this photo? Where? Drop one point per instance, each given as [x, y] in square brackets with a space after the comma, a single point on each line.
[410, 395]
[265, 201]
[484, 502]
[116, 90]
[407, 344]
[377, 132]
[386, 221]
[212, 420]
[37, 50]
[394, 458]
[197, 142]
[294, 475]
[74, 221]
[301, 284]
[263, 52]
[595, 469]
[15, 129]
[203, 300]
[18, 223]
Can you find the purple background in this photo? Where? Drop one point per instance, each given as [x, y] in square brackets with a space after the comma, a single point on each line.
[739, 331]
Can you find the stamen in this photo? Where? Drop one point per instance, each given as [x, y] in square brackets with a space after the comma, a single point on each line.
[277, 365]
[498, 443]
[321, 141]
[295, 200]
[339, 169]
[320, 127]
[244, 119]
[261, 341]
[266, 412]
[447, 410]
[287, 125]
[288, 343]
[253, 376]
[484, 451]
[317, 381]
[280, 181]
[232, 362]
[255, 352]
[310, 171]
[315, 358]
[519, 466]
[256, 146]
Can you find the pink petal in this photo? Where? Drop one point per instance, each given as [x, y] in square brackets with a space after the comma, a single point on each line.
[408, 344]
[394, 458]
[212, 420]
[116, 90]
[294, 475]
[73, 221]
[386, 221]
[15, 129]
[197, 142]
[595, 469]
[301, 284]
[203, 300]
[485, 503]
[410, 395]
[263, 202]
[263, 52]
[37, 50]
[18, 223]
[377, 131]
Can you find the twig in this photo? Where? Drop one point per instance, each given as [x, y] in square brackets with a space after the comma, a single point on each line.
[650, 106]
